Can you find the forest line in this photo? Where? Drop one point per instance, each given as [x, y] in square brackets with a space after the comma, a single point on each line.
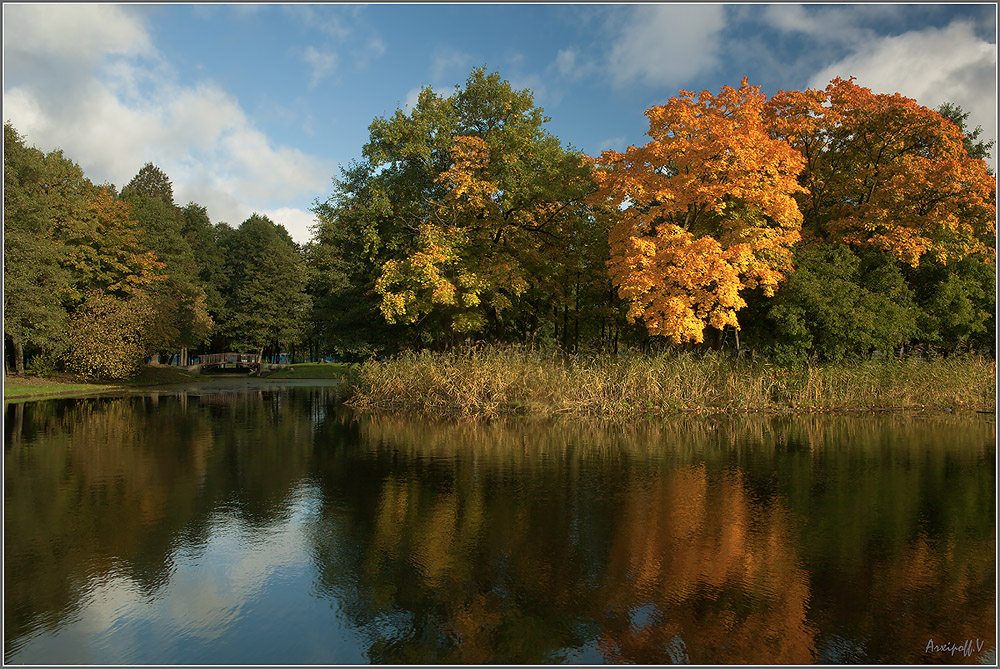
[818, 224]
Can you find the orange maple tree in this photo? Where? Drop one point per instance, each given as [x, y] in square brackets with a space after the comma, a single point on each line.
[883, 171]
[704, 210]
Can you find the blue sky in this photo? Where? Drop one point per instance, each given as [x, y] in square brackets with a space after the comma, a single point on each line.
[254, 107]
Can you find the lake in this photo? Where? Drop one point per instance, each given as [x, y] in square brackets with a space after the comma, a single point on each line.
[233, 524]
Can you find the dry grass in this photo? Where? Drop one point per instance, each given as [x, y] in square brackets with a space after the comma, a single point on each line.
[495, 381]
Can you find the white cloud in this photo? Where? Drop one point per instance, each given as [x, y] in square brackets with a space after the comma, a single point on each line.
[376, 45]
[570, 66]
[666, 44]
[566, 61]
[932, 66]
[124, 108]
[843, 24]
[296, 221]
[542, 94]
[321, 62]
[451, 64]
[412, 96]
[75, 33]
[324, 18]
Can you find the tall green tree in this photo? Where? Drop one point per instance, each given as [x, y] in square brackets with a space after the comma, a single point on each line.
[35, 282]
[202, 237]
[978, 149]
[266, 300]
[151, 182]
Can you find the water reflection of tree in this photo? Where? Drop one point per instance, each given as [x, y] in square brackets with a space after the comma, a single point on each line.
[711, 540]
[104, 487]
[465, 542]
[714, 575]
[442, 558]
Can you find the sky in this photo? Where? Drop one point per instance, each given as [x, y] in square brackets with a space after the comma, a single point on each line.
[255, 108]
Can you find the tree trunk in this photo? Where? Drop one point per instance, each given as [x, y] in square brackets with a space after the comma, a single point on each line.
[576, 316]
[565, 327]
[18, 358]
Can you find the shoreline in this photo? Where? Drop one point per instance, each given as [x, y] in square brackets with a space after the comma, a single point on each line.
[83, 389]
[457, 412]
[494, 382]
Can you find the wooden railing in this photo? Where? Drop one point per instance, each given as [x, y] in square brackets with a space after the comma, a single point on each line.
[212, 359]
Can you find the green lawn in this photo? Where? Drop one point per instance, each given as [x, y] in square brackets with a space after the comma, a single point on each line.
[29, 386]
[35, 386]
[316, 370]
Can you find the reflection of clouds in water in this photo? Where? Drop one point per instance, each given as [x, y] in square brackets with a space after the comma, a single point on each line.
[210, 589]
[205, 596]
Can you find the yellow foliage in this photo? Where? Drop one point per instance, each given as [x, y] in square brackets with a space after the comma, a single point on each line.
[705, 210]
[108, 336]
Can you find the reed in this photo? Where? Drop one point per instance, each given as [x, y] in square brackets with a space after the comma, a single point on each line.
[494, 381]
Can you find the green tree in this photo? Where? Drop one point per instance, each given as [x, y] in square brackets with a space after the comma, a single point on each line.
[202, 237]
[957, 304]
[151, 182]
[453, 213]
[838, 302]
[35, 282]
[350, 239]
[180, 300]
[887, 174]
[266, 301]
[974, 146]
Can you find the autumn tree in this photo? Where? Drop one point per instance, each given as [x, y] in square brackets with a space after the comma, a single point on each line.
[978, 149]
[460, 208]
[106, 252]
[704, 211]
[109, 336]
[884, 172]
[509, 191]
[181, 301]
[66, 240]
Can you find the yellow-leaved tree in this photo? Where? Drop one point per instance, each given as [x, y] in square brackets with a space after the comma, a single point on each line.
[489, 204]
[704, 210]
[885, 172]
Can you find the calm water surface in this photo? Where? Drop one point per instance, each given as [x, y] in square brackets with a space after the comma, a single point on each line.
[271, 526]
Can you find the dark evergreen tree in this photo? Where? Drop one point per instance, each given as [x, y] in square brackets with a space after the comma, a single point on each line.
[266, 300]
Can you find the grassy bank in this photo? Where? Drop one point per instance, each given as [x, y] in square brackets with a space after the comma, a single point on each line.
[62, 385]
[492, 382]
